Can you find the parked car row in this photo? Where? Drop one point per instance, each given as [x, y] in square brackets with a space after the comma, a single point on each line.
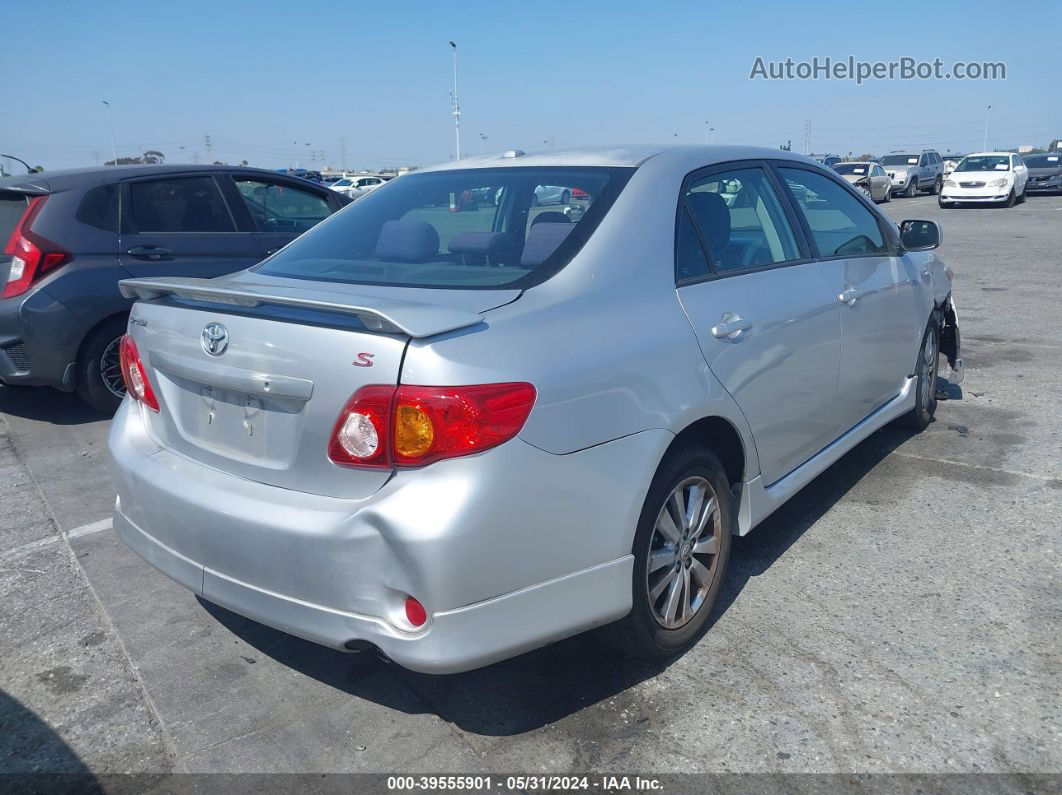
[71, 236]
[1004, 178]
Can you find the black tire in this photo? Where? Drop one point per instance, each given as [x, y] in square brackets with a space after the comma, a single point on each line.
[1021, 199]
[912, 189]
[888, 195]
[91, 385]
[943, 204]
[641, 633]
[1010, 199]
[918, 418]
[937, 185]
[566, 197]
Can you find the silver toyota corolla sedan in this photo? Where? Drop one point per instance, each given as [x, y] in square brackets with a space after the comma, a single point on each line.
[456, 431]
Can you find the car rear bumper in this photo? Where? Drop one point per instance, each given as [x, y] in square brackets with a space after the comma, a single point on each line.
[37, 347]
[453, 641]
[507, 550]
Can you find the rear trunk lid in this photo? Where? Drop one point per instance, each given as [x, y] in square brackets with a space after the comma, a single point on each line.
[259, 396]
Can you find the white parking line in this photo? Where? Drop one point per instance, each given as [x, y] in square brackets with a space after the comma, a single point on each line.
[89, 529]
[77, 532]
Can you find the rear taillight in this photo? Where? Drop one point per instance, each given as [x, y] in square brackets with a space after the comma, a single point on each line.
[32, 256]
[134, 374]
[410, 426]
[360, 435]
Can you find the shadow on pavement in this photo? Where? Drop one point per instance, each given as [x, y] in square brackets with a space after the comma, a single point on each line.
[753, 554]
[34, 758]
[47, 405]
[549, 684]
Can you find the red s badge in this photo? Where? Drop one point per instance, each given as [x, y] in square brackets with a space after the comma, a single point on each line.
[363, 360]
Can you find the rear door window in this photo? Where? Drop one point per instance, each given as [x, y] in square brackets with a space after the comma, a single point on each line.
[741, 220]
[179, 204]
[690, 260]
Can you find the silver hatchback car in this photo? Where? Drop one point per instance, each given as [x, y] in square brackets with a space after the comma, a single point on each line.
[457, 429]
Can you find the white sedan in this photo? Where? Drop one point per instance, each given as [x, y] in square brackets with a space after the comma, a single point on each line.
[358, 185]
[997, 177]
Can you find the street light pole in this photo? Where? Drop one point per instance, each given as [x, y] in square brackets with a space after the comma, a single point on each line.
[988, 112]
[110, 131]
[707, 135]
[455, 108]
[482, 144]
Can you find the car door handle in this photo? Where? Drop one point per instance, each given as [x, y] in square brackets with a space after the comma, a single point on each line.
[849, 296]
[730, 327]
[150, 252]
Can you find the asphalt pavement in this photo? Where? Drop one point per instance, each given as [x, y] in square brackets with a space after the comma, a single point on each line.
[901, 614]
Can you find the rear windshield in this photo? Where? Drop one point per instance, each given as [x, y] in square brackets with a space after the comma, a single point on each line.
[12, 206]
[851, 168]
[462, 229]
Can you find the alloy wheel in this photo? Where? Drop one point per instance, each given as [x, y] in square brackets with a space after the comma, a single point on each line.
[111, 369]
[683, 552]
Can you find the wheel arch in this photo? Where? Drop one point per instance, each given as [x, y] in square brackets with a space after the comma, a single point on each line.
[723, 438]
[124, 313]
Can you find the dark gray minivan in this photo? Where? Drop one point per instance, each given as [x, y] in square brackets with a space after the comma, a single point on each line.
[69, 236]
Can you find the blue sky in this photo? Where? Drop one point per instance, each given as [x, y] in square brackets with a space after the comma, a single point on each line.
[258, 76]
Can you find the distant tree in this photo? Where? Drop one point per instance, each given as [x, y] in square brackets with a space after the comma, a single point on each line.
[243, 163]
[867, 157]
[218, 163]
[149, 158]
[38, 169]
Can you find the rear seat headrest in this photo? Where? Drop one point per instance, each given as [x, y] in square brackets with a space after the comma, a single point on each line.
[551, 217]
[407, 241]
[495, 246]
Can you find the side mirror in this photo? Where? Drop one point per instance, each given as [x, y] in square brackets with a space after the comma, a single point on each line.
[920, 235]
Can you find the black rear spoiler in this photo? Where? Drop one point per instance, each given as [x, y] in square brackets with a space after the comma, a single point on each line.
[386, 315]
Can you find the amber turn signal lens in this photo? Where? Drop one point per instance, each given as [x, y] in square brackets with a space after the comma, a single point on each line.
[414, 432]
